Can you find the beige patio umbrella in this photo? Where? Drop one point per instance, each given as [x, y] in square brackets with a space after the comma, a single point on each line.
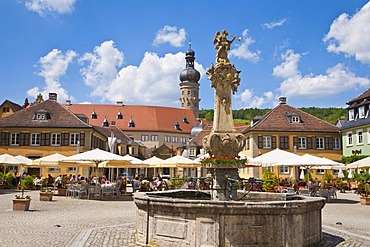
[97, 156]
[23, 160]
[180, 161]
[7, 159]
[362, 163]
[275, 156]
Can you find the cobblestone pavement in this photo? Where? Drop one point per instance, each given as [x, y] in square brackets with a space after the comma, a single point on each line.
[73, 222]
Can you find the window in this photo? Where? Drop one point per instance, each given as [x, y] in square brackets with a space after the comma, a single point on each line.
[191, 151]
[55, 139]
[302, 143]
[319, 142]
[154, 138]
[189, 92]
[6, 109]
[144, 138]
[188, 103]
[335, 172]
[183, 140]
[175, 139]
[54, 169]
[361, 112]
[295, 119]
[40, 116]
[284, 169]
[134, 150]
[167, 138]
[320, 171]
[14, 139]
[72, 169]
[266, 141]
[349, 139]
[35, 139]
[360, 139]
[74, 139]
[248, 145]
[195, 93]
[182, 92]
[351, 115]
[336, 143]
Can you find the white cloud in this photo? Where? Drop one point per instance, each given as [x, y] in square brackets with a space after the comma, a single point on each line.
[247, 99]
[274, 24]
[289, 67]
[242, 50]
[153, 82]
[102, 68]
[53, 66]
[350, 35]
[43, 7]
[336, 80]
[172, 35]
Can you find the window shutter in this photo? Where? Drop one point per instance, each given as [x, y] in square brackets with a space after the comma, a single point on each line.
[82, 139]
[65, 139]
[313, 142]
[47, 139]
[26, 139]
[284, 142]
[21, 139]
[295, 141]
[329, 143]
[42, 141]
[273, 140]
[260, 144]
[309, 142]
[5, 138]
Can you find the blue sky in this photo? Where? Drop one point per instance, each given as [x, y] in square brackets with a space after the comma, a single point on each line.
[314, 52]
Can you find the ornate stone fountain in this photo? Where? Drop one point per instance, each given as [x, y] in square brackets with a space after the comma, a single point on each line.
[197, 218]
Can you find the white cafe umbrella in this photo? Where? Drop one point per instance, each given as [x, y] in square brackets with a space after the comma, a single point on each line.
[7, 159]
[180, 161]
[97, 156]
[273, 157]
[362, 163]
[23, 160]
[340, 173]
[350, 173]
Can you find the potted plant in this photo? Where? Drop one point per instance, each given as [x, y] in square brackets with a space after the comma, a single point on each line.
[270, 181]
[22, 203]
[62, 188]
[46, 195]
[364, 192]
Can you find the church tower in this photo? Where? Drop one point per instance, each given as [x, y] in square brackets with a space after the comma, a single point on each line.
[189, 86]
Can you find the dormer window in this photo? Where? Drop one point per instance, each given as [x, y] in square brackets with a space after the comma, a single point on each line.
[119, 115]
[105, 123]
[41, 115]
[361, 112]
[94, 115]
[131, 123]
[351, 115]
[295, 119]
[177, 126]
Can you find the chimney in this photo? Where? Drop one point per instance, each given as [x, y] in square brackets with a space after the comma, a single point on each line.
[52, 96]
[68, 102]
[282, 100]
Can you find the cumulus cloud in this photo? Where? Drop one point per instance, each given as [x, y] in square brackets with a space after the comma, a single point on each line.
[336, 80]
[247, 99]
[52, 67]
[289, 67]
[43, 7]
[242, 50]
[101, 67]
[152, 82]
[172, 35]
[348, 35]
[274, 24]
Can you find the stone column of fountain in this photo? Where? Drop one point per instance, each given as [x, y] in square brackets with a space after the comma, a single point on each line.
[223, 139]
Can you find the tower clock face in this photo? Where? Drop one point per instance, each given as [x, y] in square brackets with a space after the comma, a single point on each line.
[191, 74]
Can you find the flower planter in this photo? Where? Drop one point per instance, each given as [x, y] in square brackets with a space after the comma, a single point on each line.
[365, 200]
[62, 192]
[21, 204]
[46, 196]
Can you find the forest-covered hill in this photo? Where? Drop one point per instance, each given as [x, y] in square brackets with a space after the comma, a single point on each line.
[330, 115]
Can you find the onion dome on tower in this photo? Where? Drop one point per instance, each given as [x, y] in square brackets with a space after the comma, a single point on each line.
[189, 86]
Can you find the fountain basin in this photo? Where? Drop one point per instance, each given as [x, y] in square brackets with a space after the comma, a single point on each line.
[262, 219]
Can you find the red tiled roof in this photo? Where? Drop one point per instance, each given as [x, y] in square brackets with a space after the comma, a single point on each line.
[106, 131]
[276, 120]
[146, 118]
[60, 117]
